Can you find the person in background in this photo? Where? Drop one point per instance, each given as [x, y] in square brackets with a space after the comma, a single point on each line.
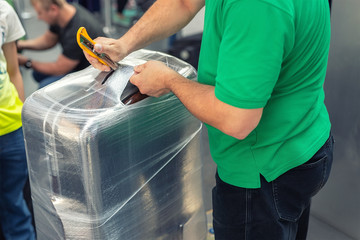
[260, 93]
[126, 13]
[120, 17]
[15, 218]
[64, 20]
[91, 5]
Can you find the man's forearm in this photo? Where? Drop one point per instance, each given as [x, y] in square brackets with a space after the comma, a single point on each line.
[43, 42]
[201, 101]
[61, 66]
[155, 79]
[163, 19]
[33, 44]
[49, 68]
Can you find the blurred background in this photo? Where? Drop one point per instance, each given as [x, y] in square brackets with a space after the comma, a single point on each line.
[335, 212]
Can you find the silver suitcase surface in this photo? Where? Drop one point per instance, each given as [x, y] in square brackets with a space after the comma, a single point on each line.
[101, 169]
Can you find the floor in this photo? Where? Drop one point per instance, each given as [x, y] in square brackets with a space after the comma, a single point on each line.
[319, 230]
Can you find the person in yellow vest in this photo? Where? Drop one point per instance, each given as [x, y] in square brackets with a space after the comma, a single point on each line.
[15, 217]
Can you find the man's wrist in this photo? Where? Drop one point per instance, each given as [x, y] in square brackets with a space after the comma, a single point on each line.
[173, 79]
[28, 63]
[125, 47]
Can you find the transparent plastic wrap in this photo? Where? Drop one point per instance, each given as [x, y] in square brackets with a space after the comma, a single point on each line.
[100, 169]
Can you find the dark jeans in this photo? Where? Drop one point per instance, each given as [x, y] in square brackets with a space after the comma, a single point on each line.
[15, 217]
[278, 210]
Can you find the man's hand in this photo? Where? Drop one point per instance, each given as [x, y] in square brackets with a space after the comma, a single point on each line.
[153, 78]
[112, 47]
[18, 45]
[22, 59]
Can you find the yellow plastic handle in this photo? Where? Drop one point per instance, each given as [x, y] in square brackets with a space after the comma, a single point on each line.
[87, 44]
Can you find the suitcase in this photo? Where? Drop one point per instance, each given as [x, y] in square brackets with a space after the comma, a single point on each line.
[100, 169]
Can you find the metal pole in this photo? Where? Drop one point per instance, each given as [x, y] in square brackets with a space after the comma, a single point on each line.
[22, 9]
[109, 29]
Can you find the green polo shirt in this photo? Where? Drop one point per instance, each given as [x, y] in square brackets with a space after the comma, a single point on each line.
[269, 54]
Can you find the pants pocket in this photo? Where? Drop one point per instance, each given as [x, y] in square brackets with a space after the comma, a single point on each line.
[293, 190]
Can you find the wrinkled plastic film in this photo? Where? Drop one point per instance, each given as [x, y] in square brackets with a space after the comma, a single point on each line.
[100, 169]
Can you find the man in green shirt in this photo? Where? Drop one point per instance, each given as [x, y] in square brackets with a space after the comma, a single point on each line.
[260, 93]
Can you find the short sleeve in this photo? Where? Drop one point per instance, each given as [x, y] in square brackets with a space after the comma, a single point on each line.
[54, 29]
[14, 29]
[70, 48]
[256, 35]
